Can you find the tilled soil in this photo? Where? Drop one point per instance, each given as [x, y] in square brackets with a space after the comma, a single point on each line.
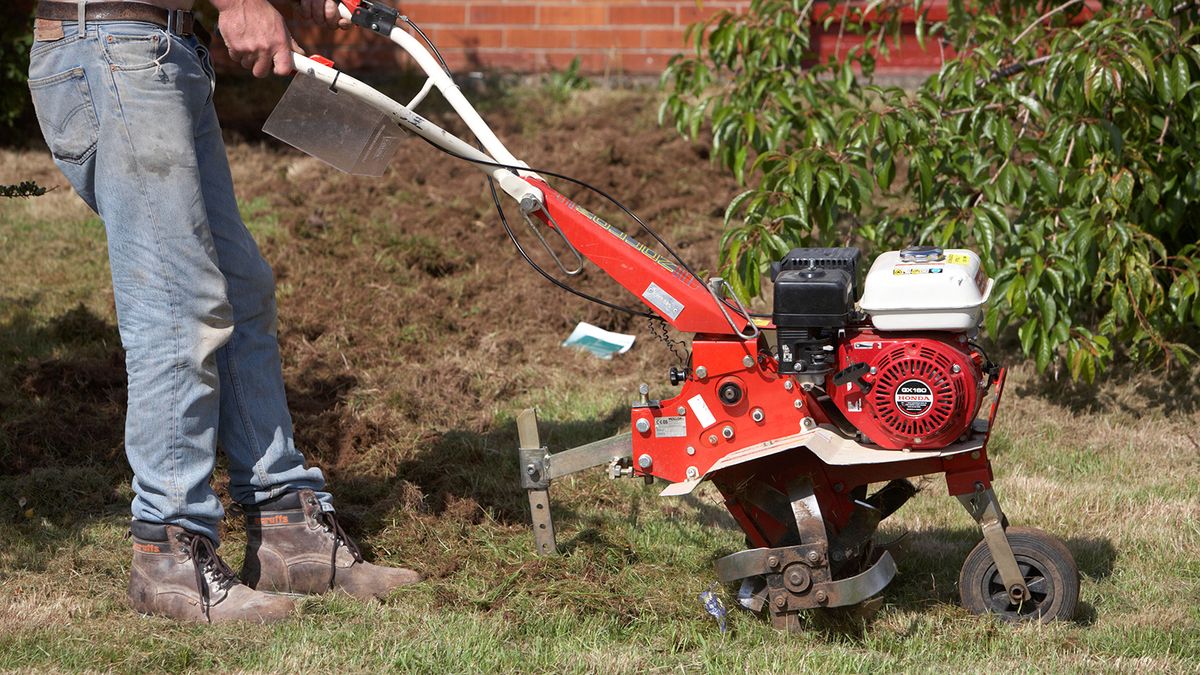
[410, 328]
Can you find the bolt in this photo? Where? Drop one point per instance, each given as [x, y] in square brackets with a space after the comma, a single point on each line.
[807, 386]
[813, 557]
[780, 601]
[681, 410]
[701, 372]
[975, 455]
[795, 578]
[874, 370]
[727, 432]
[822, 596]
[788, 386]
[531, 469]
[807, 423]
[691, 450]
[643, 425]
[798, 404]
[529, 204]
[956, 368]
[712, 439]
[838, 487]
[692, 472]
[644, 461]
[772, 562]
[747, 361]
[757, 415]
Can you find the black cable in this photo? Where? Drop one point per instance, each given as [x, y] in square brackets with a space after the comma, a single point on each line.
[588, 186]
[544, 273]
[432, 47]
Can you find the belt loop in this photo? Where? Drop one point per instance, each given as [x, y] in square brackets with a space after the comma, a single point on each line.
[82, 20]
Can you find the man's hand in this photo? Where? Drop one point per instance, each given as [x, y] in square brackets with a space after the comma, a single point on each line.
[256, 36]
[323, 13]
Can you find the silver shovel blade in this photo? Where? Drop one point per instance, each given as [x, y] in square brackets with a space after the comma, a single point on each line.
[336, 128]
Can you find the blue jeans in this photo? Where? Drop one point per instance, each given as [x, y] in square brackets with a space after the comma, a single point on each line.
[127, 111]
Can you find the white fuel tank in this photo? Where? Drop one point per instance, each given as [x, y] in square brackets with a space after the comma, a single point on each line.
[926, 288]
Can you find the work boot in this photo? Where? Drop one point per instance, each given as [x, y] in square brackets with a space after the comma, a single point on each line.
[294, 546]
[178, 574]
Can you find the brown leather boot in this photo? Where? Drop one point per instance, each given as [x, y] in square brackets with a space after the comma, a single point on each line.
[178, 574]
[293, 546]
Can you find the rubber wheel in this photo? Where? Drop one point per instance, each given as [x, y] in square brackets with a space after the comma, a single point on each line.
[1050, 574]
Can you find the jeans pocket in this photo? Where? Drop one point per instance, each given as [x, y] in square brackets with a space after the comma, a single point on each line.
[66, 114]
[136, 51]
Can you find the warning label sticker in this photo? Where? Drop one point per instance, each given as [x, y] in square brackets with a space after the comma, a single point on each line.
[913, 398]
[670, 427]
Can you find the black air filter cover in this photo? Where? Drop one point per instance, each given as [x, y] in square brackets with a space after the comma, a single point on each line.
[815, 287]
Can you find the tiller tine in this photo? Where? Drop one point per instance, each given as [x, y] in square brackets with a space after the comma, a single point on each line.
[799, 577]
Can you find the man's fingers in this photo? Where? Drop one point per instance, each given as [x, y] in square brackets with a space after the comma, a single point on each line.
[297, 48]
[331, 13]
[283, 61]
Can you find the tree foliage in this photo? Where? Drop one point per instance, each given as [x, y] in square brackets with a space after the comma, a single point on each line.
[1061, 142]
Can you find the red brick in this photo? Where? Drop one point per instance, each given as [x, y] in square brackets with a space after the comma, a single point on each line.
[645, 15]
[571, 15]
[689, 14]
[539, 38]
[643, 62]
[505, 14]
[473, 38]
[433, 12]
[663, 39]
[608, 39]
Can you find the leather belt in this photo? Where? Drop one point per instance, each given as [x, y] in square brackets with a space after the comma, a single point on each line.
[180, 22]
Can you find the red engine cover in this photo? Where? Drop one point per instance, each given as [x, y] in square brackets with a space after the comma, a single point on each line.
[924, 388]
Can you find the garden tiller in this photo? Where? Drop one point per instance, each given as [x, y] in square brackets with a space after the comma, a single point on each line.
[793, 417]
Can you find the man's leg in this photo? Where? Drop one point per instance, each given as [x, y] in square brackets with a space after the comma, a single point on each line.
[255, 426]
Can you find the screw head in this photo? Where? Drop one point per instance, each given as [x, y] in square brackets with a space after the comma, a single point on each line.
[813, 556]
[747, 361]
[691, 450]
[757, 415]
[712, 439]
[727, 432]
[956, 368]
[795, 578]
[807, 423]
[788, 386]
[701, 372]
[644, 461]
[692, 472]
[780, 601]
[798, 404]
[975, 455]
[681, 410]
[643, 425]
[822, 596]
[772, 562]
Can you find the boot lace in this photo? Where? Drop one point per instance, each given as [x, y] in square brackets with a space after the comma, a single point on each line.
[340, 538]
[210, 569]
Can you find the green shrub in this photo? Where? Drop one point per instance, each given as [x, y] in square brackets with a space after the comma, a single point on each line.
[16, 35]
[1060, 146]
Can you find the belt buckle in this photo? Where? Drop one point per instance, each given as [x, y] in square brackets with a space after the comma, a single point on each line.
[175, 22]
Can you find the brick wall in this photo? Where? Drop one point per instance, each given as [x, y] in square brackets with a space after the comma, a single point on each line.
[608, 36]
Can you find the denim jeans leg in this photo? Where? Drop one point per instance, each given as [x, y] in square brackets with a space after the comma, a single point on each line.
[144, 180]
[255, 426]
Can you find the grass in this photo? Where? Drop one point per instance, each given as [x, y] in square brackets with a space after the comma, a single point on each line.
[1115, 472]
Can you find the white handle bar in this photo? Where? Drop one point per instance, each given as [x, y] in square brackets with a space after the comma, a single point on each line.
[511, 183]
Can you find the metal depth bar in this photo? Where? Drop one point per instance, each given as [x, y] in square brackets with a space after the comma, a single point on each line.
[539, 498]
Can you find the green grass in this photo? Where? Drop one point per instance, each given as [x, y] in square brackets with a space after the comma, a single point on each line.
[1119, 482]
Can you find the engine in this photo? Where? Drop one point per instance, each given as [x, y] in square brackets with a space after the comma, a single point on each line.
[898, 366]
